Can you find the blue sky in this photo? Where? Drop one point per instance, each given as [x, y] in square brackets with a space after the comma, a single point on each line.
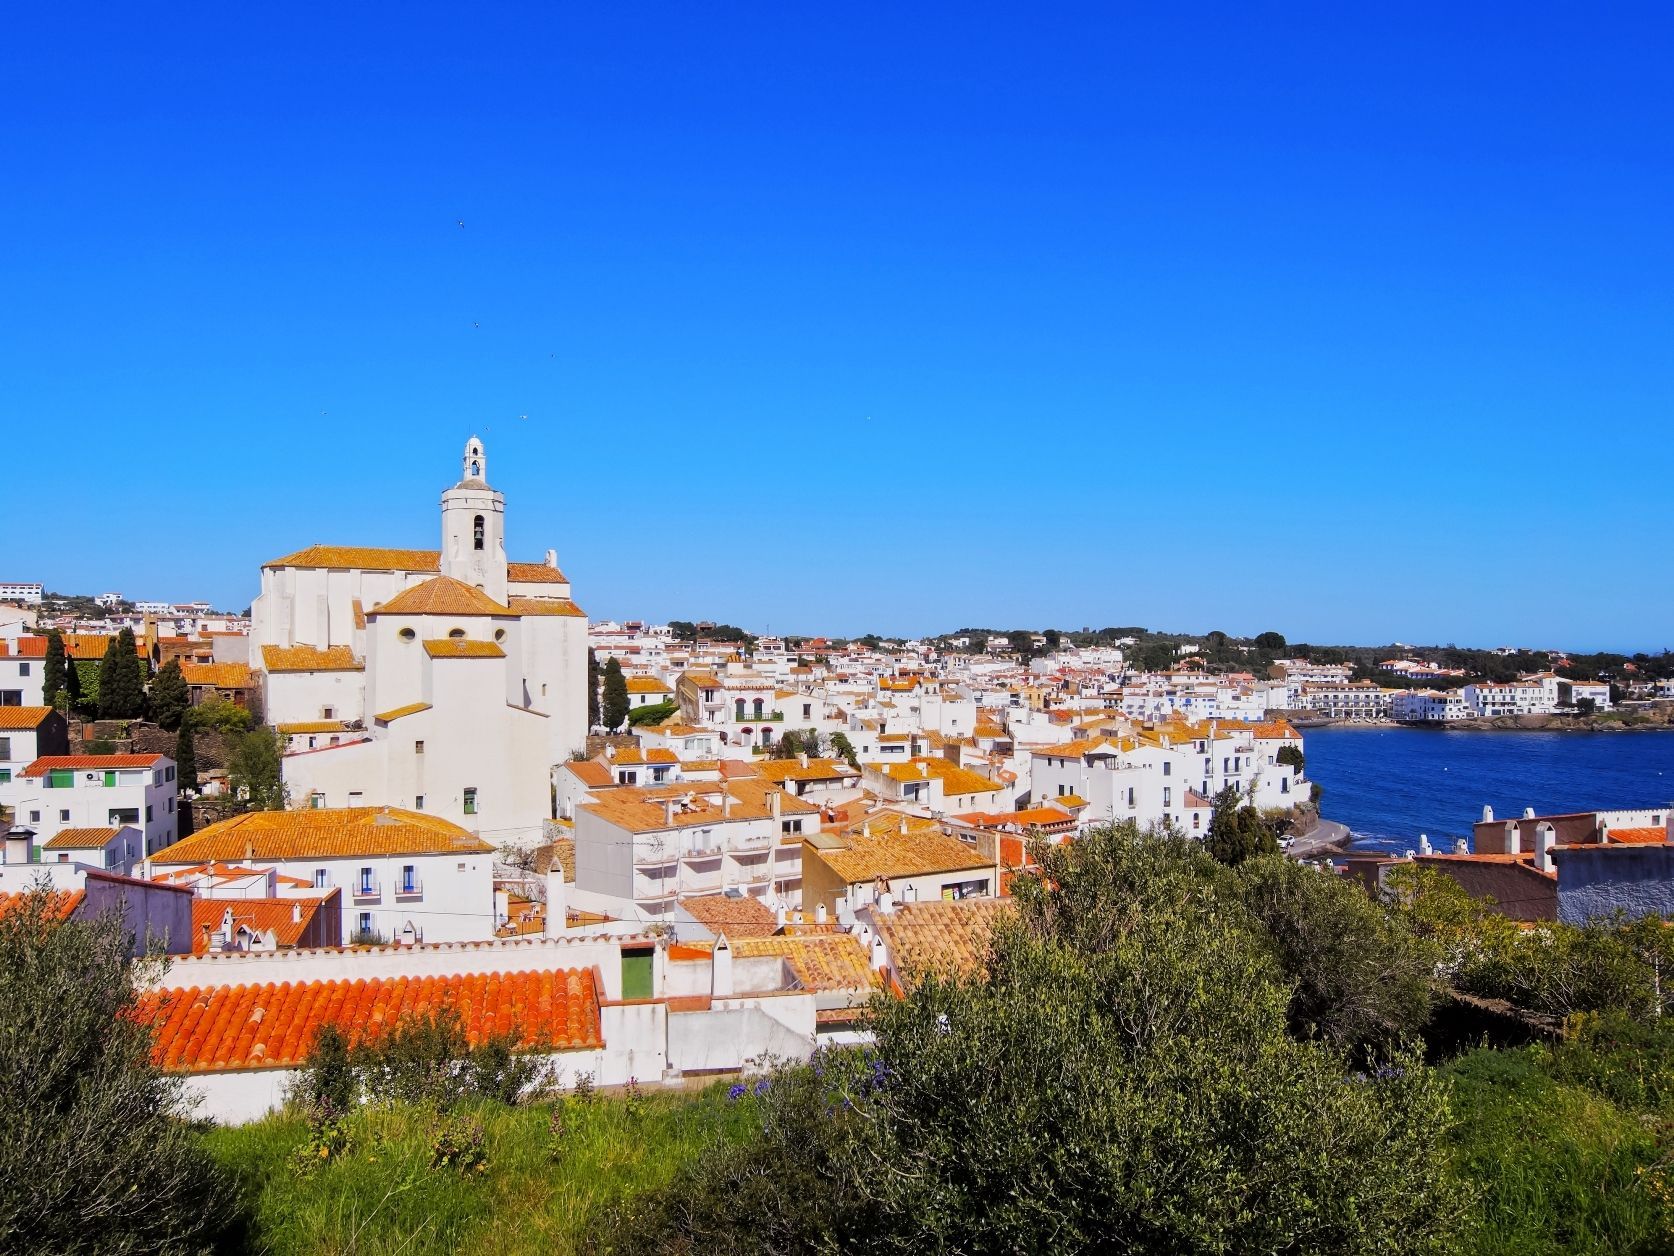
[1351, 325]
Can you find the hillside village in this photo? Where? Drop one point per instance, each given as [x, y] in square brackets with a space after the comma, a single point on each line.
[718, 847]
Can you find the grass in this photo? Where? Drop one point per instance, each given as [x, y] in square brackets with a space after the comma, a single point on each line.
[538, 1194]
[1558, 1167]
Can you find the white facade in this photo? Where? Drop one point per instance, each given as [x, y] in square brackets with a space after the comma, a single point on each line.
[27, 594]
[450, 681]
[20, 680]
[96, 791]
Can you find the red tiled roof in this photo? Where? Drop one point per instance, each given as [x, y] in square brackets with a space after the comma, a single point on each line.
[89, 763]
[16, 718]
[63, 904]
[206, 1029]
[288, 918]
[1639, 837]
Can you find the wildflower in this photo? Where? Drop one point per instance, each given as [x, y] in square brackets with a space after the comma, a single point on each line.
[737, 1091]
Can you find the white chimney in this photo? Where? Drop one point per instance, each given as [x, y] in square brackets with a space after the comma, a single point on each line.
[886, 903]
[802, 758]
[880, 956]
[552, 559]
[780, 916]
[819, 912]
[1460, 847]
[720, 968]
[1544, 839]
[668, 813]
[1487, 814]
[775, 796]
[1423, 843]
[296, 913]
[726, 803]
[557, 903]
[1528, 813]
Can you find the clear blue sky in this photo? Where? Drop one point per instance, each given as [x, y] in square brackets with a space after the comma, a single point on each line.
[1352, 325]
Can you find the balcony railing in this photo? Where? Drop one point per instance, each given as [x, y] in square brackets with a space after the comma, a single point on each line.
[368, 889]
[764, 717]
[410, 889]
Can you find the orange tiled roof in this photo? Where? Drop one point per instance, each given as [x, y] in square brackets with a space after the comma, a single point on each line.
[219, 675]
[313, 726]
[1639, 837]
[955, 779]
[81, 839]
[742, 917]
[61, 903]
[323, 833]
[287, 918]
[591, 772]
[89, 763]
[272, 1026]
[780, 770]
[901, 854]
[412, 708]
[441, 595]
[633, 756]
[534, 573]
[647, 684]
[545, 606]
[18, 718]
[819, 961]
[461, 648]
[949, 939]
[642, 810]
[308, 658]
[361, 558]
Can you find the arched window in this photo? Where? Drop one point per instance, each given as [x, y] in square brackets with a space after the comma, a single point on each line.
[456, 634]
[476, 533]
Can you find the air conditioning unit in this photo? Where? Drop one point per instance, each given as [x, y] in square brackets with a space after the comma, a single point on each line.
[91, 776]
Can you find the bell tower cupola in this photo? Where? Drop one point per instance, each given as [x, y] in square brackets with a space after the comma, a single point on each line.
[474, 527]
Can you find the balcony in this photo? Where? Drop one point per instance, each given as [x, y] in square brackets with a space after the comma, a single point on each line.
[367, 891]
[764, 717]
[409, 889]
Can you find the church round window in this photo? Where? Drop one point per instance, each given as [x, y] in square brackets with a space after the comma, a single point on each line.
[499, 634]
[407, 634]
[456, 634]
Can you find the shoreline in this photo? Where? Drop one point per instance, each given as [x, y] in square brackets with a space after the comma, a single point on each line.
[1489, 725]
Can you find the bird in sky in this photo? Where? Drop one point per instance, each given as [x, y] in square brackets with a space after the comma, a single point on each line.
[460, 223]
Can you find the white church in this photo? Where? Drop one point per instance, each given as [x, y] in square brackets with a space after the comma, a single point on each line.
[450, 682]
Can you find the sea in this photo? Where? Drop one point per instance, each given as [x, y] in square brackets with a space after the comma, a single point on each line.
[1388, 785]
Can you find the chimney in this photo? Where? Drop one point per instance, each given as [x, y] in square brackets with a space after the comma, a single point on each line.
[1423, 843]
[1544, 839]
[886, 903]
[1487, 815]
[668, 813]
[726, 803]
[720, 968]
[880, 955]
[1528, 813]
[552, 559]
[296, 913]
[819, 913]
[775, 796]
[557, 906]
[1460, 847]
[803, 758]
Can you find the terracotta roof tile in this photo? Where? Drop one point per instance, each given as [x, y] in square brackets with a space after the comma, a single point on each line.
[18, 718]
[440, 595]
[909, 854]
[90, 763]
[546, 606]
[412, 708]
[81, 839]
[219, 675]
[361, 558]
[534, 573]
[462, 648]
[948, 939]
[308, 658]
[324, 833]
[288, 918]
[272, 1026]
[741, 917]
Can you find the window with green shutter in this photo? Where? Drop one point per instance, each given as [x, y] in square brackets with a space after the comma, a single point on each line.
[110, 780]
[58, 779]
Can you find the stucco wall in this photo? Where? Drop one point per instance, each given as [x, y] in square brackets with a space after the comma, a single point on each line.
[1599, 880]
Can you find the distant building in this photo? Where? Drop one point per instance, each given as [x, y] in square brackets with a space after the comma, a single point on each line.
[27, 594]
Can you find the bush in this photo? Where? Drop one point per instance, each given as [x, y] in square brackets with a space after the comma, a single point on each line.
[1120, 1074]
[97, 1154]
[654, 714]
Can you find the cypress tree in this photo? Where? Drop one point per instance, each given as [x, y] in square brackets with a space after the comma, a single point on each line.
[121, 682]
[53, 680]
[72, 685]
[592, 689]
[169, 696]
[615, 695]
[186, 757]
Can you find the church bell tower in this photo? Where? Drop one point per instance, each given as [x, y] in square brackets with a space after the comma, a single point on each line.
[474, 527]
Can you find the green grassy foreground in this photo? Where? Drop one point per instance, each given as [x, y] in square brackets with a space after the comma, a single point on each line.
[537, 1194]
[1558, 1167]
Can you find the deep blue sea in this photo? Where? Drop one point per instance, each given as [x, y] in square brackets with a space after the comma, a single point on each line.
[1390, 785]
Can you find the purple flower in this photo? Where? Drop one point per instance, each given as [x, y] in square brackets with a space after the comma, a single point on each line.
[737, 1091]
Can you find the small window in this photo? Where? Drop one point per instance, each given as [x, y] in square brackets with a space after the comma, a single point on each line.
[63, 817]
[328, 713]
[476, 533]
[23, 669]
[471, 800]
[499, 634]
[148, 813]
[418, 803]
[418, 747]
[456, 634]
[407, 634]
[320, 878]
[366, 881]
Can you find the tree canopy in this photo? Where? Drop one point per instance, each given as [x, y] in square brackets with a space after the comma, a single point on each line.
[121, 680]
[614, 710]
[169, 696]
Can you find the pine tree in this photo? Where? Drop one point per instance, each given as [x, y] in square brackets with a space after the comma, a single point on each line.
[169, 696]
[842, 746]
[73, 697]
[121, 682]
[615, 695]
[186, 758]
[53, 671]
[592, 690]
